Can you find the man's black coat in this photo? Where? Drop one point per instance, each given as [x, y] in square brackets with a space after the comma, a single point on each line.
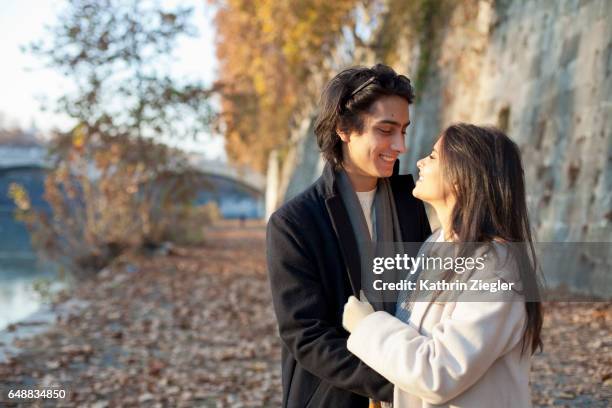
[313, 268]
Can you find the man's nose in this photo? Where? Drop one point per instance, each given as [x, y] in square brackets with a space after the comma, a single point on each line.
[399, 144]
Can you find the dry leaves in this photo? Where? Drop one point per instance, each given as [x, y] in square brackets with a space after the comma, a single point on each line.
[196, 328]
[192, 329]
[576, 365]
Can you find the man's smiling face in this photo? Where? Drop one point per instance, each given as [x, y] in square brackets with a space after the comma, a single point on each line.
[371, 153]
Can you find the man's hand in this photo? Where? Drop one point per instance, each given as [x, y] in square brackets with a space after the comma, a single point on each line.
[354, 312]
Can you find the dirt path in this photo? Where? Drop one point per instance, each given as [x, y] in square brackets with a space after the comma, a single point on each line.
[196, 328]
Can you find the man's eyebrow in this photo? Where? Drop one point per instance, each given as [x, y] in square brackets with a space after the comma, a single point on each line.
[392, 122]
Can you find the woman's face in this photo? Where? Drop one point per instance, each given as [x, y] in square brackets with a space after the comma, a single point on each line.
[431, 186]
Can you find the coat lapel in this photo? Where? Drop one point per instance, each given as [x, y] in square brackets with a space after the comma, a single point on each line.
[346, 240]
[342, 227]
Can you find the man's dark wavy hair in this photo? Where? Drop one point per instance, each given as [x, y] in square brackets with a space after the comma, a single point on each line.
[347, 96]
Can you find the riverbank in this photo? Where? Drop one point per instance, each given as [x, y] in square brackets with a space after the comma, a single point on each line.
[196, 328]
[37, 323]
[193, 328]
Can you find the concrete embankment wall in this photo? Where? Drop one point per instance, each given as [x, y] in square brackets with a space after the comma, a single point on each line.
[540, 70]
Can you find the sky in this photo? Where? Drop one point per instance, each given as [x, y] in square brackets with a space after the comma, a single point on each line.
[25, 82]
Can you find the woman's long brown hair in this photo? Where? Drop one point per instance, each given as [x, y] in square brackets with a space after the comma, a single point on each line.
[483, 168]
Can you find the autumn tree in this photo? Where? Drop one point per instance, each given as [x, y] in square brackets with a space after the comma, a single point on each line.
[268, 52]
[112, 187]
[118, 55]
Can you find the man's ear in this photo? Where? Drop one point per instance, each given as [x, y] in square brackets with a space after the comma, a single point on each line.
[344, 136]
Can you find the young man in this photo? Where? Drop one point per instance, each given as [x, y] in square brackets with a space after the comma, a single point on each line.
[314, 241]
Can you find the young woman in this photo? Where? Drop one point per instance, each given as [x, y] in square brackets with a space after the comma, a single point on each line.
[463, 353]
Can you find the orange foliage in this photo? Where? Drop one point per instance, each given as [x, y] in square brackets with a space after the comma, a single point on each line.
[268, 51]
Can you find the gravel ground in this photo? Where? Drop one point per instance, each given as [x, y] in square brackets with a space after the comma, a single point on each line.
[196, 328]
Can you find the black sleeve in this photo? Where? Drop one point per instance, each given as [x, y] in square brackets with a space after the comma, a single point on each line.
[303, 316]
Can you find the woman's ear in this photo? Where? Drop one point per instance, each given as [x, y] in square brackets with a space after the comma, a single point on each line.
[344, 136]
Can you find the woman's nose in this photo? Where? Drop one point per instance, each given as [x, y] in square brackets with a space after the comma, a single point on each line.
[419, 163]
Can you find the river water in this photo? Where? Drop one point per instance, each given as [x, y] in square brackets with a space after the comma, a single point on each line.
[20, 270]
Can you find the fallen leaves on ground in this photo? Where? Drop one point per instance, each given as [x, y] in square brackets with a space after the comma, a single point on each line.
[575, 368]
[196, 328]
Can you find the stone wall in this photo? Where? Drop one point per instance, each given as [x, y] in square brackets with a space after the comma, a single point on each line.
[542, 71]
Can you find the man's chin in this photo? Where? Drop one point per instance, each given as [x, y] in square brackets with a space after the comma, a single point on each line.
[384, 173]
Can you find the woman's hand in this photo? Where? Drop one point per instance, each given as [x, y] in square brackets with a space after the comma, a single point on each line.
[354, 312]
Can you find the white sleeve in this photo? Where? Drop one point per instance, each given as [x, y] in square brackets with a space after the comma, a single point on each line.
[458, 352]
